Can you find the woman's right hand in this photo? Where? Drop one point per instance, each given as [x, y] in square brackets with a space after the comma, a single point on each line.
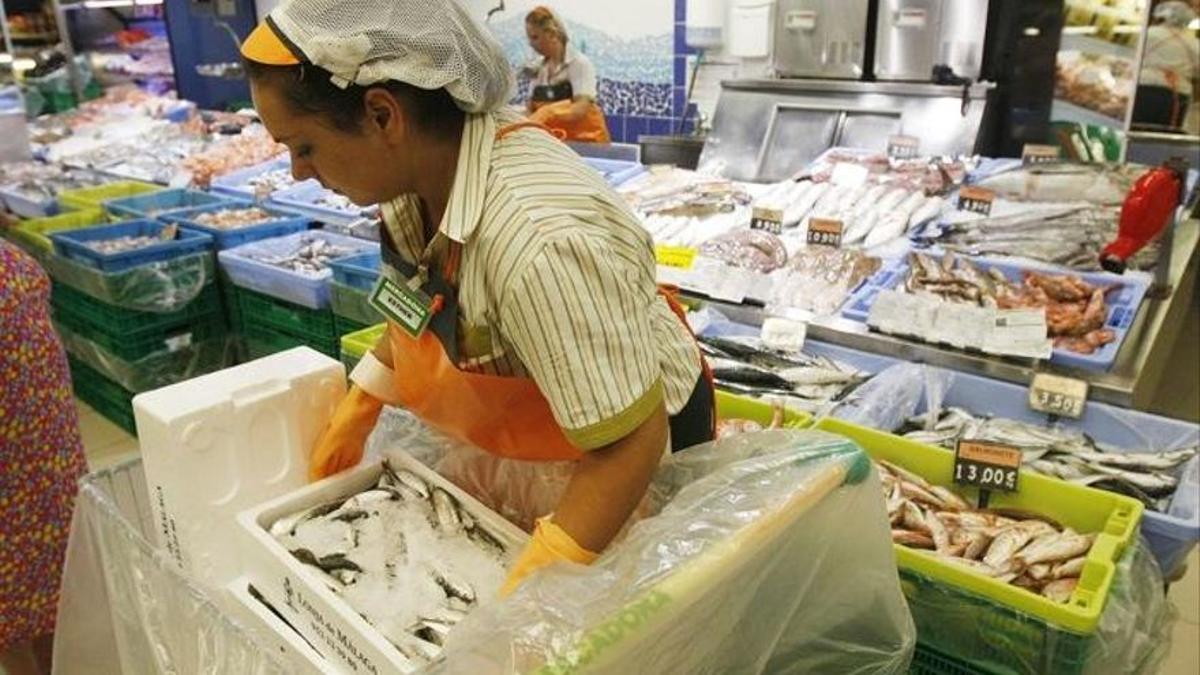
[341, 444]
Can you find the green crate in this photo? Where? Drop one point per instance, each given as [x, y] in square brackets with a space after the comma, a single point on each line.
[95, 196]
[263, 340]
[310, 325]
[229, 300]
[31, 234]
[133, 347]
[962, 632]
[125, 322]
[351, 303]
[108, 398]
[355, 345]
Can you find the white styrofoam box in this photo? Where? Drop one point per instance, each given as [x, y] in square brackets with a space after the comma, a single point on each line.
[219, 443]
[300, 595]
[272, 633]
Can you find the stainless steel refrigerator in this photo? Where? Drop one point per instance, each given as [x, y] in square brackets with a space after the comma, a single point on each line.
[821, 38]
[913, 36]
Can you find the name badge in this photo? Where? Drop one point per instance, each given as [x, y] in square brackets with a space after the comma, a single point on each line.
[410, 308]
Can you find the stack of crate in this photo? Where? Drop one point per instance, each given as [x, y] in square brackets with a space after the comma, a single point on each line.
[353, 280]
[281, 308]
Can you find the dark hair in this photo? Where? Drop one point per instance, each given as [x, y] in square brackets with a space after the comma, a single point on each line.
[308, 90]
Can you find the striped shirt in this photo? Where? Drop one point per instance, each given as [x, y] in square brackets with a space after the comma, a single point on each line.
[557, 282]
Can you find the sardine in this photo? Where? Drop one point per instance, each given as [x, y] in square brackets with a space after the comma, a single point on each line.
[446, 511]
[1059, 548]
[912, 539]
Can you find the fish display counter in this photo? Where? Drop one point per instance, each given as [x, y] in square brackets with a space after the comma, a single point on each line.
[961, 244]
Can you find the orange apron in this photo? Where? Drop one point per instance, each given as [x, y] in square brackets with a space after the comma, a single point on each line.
[505, 416]
[592, 128]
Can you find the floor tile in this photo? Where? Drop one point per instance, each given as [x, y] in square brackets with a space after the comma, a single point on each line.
[1185, 593]
[1184, 658]
[98, 432]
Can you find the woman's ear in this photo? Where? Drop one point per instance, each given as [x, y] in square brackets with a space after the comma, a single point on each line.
[384, 115]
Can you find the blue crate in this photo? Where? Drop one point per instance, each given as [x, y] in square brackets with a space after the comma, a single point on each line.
[23, 206]
[360, 271]
[615, 171]
[236, 183]
[70, 244]
[307, 291]
[302, 198]
[156, 204]
[1123, 303]
[283, 223]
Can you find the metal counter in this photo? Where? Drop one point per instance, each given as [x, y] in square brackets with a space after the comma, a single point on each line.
[766, 130]
[1132, 381]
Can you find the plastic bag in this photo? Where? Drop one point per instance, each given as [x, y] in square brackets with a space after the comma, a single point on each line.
[745, 566]
[892, 396]
[1135, 628]
[162, 287]
[125, 607]
[155, 370]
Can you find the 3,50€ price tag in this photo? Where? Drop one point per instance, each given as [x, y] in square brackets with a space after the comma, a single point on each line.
[1057, 395]
[987, 465]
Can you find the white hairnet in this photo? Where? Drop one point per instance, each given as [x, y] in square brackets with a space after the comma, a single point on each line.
[1174, 13]
[429, 44]
[556, 21]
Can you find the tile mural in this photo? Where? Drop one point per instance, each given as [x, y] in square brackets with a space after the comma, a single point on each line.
[639, 55]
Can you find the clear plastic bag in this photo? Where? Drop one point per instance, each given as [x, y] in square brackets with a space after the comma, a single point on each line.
[155, 370]
[743, 565]
[892, 396]
[161, 287]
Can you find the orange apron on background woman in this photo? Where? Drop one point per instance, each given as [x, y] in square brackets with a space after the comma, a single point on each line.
[505, 416]
[549, 101]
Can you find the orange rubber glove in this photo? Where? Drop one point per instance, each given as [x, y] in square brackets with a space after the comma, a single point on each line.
[341, 444]
[550, 543]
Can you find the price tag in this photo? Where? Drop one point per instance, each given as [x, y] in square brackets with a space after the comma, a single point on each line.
[903, 147]
[976, 200]
[767, 219]
[678, 257]
[824, 232]
[987, 465]
[1057, 395]
[1034, 153]
[784, 335]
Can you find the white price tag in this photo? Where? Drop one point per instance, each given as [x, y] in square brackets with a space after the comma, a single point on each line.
[784, 335]
[1020, 332]
[1058, 395]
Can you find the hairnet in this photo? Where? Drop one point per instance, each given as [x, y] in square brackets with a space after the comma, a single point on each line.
[430, 44]
[1174, 13]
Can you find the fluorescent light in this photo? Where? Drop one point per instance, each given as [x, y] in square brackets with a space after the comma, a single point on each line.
[1080, 30]
[103, 4]
[24, 64]
[1194, 24]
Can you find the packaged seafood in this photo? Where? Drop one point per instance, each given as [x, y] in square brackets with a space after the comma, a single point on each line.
[818, 279]
[755, 250]
[930, 175]
[680, 192]
[376, 566]
[1071, 235]
[1076, 311]
[1103, 184]
[1151, 477]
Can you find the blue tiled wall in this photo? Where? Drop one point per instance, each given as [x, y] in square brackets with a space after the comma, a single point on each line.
[625, 127]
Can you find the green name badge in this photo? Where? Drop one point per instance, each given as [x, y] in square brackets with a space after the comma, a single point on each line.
[407, 307]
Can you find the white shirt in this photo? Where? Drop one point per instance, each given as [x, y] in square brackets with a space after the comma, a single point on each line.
[1170, 50]
[576, 68]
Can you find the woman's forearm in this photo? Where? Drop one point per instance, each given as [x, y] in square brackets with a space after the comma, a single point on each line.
[609, 482]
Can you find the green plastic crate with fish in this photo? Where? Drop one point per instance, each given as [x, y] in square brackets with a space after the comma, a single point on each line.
[94, 197]
[1014, 626]
[32, 234]
[352, 303]
[135, 346]
[119, 321]
[733, 412]
[356, 345]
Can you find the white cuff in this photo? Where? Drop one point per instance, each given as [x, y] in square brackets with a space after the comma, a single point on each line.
[374, 378]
